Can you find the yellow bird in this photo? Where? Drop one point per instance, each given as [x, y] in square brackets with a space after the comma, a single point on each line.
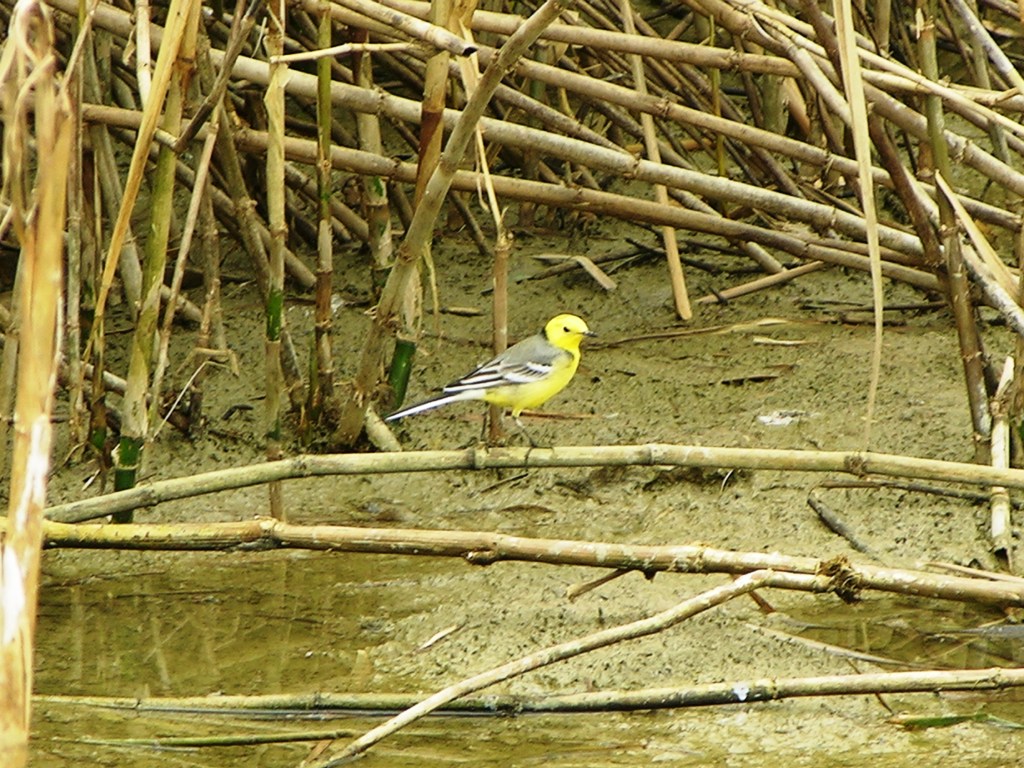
[526, 375]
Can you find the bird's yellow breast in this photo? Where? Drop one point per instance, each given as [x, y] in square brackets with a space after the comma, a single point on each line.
[519, 397]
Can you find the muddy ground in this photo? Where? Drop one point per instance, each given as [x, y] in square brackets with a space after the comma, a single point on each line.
[131, 624]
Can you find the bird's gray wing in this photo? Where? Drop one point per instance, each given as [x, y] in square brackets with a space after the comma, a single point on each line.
[530, 360]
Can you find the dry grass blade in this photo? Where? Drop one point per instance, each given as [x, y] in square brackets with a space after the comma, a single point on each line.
[857, 100]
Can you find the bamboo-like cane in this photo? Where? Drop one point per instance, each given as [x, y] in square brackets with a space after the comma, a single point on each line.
[171, 41]
[576, 456]
[242, 23]
[959, 297]
[972, 154]
[468, 68]
[847, 579]
[1000, 524]
[143, 62]
[378, 218]
[211, 340]
[499, 302]
[191, 221]
[38, 122]
[976, 52]
[112, 191]
[344, 222]
[274, 101]
[803, 152]
[608, 204]
[9, 367]
[428, 151]
[668, 234]
[733, 692]
[134, 411]
[321, 387]
[78, 243]
[628, 208]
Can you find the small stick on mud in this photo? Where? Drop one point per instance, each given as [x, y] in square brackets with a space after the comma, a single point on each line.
[836, 524]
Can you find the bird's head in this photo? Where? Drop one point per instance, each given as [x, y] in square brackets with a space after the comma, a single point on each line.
[567, 331]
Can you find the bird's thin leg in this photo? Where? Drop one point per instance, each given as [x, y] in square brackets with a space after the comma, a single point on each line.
[526, 434]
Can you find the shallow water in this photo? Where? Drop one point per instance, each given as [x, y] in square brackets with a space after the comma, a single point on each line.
[145, 624]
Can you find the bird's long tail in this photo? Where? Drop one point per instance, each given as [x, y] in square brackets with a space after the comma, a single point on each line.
[425, 405]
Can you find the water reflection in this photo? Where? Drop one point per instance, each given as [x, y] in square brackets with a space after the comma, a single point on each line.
[144, 624]
[173, 624]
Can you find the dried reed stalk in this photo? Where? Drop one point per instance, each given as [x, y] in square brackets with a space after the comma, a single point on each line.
[856, 463]
[801, 246]
[199, 191]
[847, 579]
[321, 389]
[668, 234]
[171, 40]
[38, 123]
[501, 705]
[275, 196]
[135, 421]
[1000, 526]
[957, 284]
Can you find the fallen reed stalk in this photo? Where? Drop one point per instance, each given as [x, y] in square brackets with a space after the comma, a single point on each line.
[806, 152]
[605, 203]
[858, 463]
[746, 691]
[846, 579]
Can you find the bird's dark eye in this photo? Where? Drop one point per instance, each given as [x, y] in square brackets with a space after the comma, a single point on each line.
[566, 328]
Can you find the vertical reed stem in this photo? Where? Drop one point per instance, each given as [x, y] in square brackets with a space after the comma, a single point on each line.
[971, 353]
[77, 426]
[322, 392]
[668, 234]
[191, 221]
[134, 411]
[274, 101]
[37, 124]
